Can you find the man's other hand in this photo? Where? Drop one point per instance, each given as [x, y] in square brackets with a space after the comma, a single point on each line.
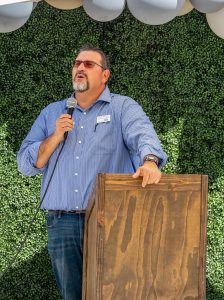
[150, 173]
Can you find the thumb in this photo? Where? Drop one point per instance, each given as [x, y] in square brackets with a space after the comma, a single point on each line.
[137, 173]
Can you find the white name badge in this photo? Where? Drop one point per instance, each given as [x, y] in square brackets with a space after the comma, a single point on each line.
[103, 119]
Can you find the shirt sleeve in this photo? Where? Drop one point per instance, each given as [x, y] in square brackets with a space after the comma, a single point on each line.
[139, 133]
[28, 152]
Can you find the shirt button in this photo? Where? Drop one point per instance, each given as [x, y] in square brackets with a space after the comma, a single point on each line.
[76, 174]
[82, 127]
[77, 157]
[76, 191]
[76, 207]
[84, 113]
[80, 142]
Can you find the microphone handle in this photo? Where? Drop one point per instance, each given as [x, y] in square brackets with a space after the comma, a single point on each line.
[69, 112]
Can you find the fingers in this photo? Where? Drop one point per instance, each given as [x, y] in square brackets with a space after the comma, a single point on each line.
[63, 124]
[137, 173]
[67, 116]
[146, 178]
[158, 179]
[150, 175]
[154, 177]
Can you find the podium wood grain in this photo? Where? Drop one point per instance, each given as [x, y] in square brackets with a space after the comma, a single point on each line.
[146, 243]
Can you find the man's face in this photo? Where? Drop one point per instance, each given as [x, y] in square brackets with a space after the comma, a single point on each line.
[86, 78]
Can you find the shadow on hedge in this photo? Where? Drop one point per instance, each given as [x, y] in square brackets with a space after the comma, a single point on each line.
[32, 279]
[212, 293]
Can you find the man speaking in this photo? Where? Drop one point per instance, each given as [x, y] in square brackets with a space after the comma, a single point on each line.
[106, 133]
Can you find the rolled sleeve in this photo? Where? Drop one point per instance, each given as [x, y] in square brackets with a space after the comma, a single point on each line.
[28, 153]
[27, 157]
[139, 133]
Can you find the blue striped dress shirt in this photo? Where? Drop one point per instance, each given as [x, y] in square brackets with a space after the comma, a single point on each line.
[111, 136]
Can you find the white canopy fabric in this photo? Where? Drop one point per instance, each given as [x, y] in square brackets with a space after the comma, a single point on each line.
[5, 2]
[150, 14]
[162, 4]
[13, 16]
[103, 11]
[207, 6]
[15, 13]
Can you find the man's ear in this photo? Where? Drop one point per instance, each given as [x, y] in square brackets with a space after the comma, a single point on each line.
[106, 75]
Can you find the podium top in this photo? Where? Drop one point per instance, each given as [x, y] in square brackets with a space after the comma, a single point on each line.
[168, 182]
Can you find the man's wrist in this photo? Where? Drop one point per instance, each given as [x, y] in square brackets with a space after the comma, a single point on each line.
[57, 137]
[151, 158]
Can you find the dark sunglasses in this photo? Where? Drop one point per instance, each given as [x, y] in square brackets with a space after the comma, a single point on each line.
[88, 64]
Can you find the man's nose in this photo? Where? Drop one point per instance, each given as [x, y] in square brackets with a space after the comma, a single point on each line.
[81, 66]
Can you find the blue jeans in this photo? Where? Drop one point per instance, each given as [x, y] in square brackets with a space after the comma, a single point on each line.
[65, 247]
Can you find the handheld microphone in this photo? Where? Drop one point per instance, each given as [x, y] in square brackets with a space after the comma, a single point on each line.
[71, 104]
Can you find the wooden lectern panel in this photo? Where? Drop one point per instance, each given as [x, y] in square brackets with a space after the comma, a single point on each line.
[146, 243]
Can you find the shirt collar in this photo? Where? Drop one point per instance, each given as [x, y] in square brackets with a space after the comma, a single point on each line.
[105, 97]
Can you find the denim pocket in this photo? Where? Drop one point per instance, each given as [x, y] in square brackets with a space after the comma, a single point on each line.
[51, 220]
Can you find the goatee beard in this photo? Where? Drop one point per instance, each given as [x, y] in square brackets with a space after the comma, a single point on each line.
[81, 86]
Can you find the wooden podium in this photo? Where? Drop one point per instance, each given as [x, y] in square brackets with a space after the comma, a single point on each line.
[146, 243]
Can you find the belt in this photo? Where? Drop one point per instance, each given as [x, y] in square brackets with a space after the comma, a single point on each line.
[67, 211]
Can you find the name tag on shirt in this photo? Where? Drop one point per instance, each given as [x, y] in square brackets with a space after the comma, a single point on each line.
[103, 119]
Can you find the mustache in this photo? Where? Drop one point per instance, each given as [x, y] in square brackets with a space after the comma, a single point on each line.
[81, 73]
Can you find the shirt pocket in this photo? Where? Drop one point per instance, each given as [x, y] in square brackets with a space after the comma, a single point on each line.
[102, 139]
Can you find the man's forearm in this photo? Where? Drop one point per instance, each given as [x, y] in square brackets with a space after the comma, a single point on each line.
[46, 149]
[63, 124]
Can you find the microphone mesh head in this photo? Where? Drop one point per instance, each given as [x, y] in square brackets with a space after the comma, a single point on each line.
[71, 102]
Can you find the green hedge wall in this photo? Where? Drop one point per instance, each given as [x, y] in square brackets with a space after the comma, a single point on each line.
[175, 71]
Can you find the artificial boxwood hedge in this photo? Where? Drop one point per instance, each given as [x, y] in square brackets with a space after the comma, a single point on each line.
[175, 71]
